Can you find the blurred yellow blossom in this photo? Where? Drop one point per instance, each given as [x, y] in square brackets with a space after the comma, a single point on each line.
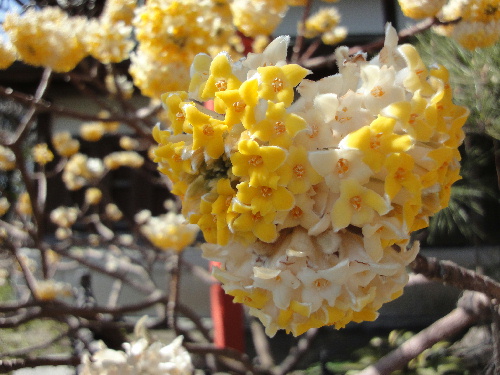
[7, 159]
[49, 290]
[47, 37]
[4, 205]
[81, 170]
[23, 205]
[64, 144]
[7, 54]
[93, 196]
[113, 212]
[128, 143]
[92, 131]
[421, 8]
[42, 154]
[64, 217]
[169, 231]
[119, 159]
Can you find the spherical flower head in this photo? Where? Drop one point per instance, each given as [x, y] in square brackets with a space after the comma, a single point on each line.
[322, 21]
[46, 37]
[93, 196]
[421, 8]
[108, 42]
[92, 131]
[64, 144]
[7, 159]
[309, 205]
[257, 17]
[41, 154]
[169, 231]
[119, 10]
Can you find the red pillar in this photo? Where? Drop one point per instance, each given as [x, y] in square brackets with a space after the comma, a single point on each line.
[227, 317]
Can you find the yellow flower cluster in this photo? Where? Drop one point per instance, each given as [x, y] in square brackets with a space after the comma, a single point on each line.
[64, 144]
[41, 154]
[472, 23]
[170, 33]
[168, 231]
[309, 204]
[7, 159]
[119, 159]
[47, 37]
[7, 55]
[82, 170]
[49, 290]
[325, 24]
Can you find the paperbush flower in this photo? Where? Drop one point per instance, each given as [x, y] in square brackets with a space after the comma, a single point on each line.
[141, 356]
[47, 37]
[313, 228]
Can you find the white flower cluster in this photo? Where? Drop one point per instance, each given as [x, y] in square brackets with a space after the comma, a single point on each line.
[140, 357]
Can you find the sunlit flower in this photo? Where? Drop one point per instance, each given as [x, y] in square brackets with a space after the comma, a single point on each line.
[64, 144]
[49, 290]
[7, 159]
[41, 154]
[308, 204]
[258, 17]
[93, 196]
[64, 216]
[4, 206]
[7, 55]
[119, 159]
[46, 37]
[108, 42]
[421, 8]
[169, 231]
[113, 212]
[92, 131]
[23, 205]
[80, 170]
[141, 355]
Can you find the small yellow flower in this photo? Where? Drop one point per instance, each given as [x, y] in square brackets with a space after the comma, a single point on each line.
[221, 208]
[357, 205]
[261, 225]
[296, 173]
[377, 141]
[239, 104]
[23, 205]
[278, 82]
[65, 144]
[278, 126]
[265, 199]
[4, 206]
[400, 174]
[92, 131]
[7, 159]
[221, 77]
[258, 163]
[173, 101]
[208, 133]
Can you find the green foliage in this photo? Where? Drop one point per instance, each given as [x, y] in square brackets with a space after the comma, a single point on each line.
[433, 361]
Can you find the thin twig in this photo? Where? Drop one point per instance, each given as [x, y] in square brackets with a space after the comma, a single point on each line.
[297, 352]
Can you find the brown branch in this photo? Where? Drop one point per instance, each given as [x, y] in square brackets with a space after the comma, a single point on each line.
[446, 327]
[173, 291]
[452, 274]
[261, 344]
[299, 41]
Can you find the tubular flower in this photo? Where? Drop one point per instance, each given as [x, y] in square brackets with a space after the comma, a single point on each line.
[312, 228]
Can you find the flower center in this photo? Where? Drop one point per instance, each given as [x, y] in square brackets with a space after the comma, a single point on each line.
[375, 142]
[277, 84]
[320, 283]
[266, 191]
[296, 212]
[400, 174]
[239, 106]
[208, 130]
[356, 202]
[221, 85]
[299, 170]
[279, 127]
[342, 166]
[179, 116]
[377, 92]
[257, 216]
[314, 130]
[255, 160]
[412, 119]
